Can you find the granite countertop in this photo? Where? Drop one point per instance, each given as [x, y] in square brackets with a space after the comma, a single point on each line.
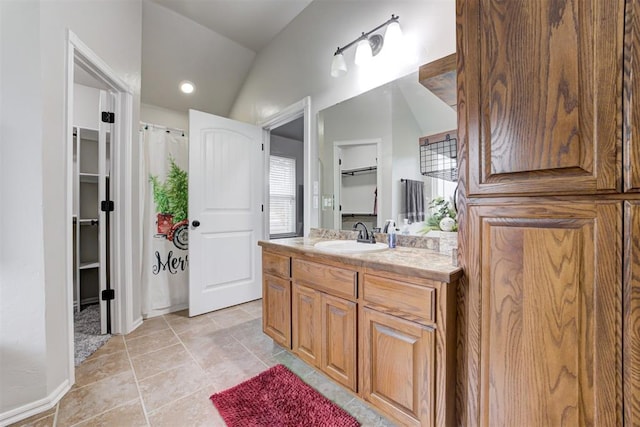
[418, 262]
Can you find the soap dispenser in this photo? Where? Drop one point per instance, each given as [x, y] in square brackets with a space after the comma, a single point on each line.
[391, 235]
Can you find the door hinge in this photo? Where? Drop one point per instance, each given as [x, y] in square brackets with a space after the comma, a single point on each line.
[262, 208]
[262, 147]
[108, 117]
[108, 295]
[107, 206]
[339, 161]
[340, 208]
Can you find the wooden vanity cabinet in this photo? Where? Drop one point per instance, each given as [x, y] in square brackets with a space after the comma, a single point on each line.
[388, 337]
[408, 340]
[324, 319]
[276, 297]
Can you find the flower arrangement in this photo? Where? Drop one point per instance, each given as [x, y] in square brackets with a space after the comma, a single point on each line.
[443, 216]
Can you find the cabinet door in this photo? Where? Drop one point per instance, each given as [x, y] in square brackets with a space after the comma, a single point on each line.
[631, 325]
[546, 340]
[398, 367]
[276, 309]
[339, 340]
[631, 100]
[540, 87]
[306, 323]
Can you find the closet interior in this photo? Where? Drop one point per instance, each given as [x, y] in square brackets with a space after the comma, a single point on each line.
[91, 168]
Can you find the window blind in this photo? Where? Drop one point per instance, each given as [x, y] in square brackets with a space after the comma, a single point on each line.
[282, 197]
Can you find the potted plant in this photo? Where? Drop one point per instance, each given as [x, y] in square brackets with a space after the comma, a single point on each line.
[442, 218]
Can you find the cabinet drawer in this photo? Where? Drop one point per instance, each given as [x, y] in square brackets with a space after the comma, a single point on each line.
[333, 280]
[406, 297]
[276, 265]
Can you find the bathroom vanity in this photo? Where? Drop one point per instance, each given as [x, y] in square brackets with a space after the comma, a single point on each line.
[382, 324]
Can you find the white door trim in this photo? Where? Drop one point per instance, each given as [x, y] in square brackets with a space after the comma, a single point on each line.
[301, 108]
[121, 239]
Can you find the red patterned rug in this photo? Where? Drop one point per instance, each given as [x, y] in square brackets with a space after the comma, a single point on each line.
[277, 397]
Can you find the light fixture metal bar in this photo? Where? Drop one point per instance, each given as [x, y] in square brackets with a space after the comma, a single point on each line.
[364, 36]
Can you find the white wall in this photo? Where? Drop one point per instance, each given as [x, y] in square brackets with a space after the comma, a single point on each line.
[297, 63]
[164, 117]
[23, 338]
[34, 279]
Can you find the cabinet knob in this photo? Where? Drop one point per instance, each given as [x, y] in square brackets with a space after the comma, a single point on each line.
[195, 223]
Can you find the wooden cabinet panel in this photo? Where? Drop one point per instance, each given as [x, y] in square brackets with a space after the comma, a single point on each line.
[540, 103]
[276, 265]
[334, 280]
[306, 309]
[545, 279]
[276, 309]
[398, 367]
[631, 102]
[339, 340]
[406, 297]
[631, 313]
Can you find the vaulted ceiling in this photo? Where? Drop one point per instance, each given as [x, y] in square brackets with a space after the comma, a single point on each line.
[211, 43]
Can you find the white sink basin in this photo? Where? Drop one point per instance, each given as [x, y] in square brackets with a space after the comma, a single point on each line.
[349, 246]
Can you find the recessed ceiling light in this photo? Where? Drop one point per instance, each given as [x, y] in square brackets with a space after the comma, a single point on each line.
[187, 87]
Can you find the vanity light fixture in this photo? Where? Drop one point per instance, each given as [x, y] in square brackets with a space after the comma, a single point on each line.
[187, 87]
[368, 46]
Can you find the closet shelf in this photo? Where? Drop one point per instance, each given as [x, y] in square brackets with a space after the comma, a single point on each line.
[89, 221]
[89, 265]
[351, 215]
[359, 171]
[89, 177]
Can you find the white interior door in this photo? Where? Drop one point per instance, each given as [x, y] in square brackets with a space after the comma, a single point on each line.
[225, 210]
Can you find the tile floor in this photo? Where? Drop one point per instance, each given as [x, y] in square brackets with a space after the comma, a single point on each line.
[163, 373]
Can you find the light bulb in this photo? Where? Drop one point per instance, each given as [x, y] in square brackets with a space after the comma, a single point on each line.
[338, 66]
[363, 53]
[187, 87]
[393, 36]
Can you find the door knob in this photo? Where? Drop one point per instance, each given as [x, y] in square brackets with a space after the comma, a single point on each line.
[195, 223]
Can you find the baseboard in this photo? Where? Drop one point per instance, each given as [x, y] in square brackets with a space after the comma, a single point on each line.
[135, 324]
[33, 408]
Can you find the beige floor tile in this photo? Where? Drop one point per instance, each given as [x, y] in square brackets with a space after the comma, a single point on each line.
[102, 367]
[113, 345]
[153, 363]
[130, 414]
[200, 328]
[148, 326]
[230, 317]
[43, 419]
[193, 410]
[254, 308]
[232, 372]
[86, 402]
[152, 342]
[215, 348]
[164, 388]
[180, 321]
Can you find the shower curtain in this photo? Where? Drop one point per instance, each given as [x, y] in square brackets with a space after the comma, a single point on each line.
[165, 225]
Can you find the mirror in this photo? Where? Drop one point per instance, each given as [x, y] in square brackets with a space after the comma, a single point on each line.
[368, 145]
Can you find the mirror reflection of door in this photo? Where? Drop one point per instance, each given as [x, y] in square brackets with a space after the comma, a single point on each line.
[356, 183]
[286, 178]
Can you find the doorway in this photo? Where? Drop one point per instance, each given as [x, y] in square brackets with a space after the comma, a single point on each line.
[98, 247]
[357, 183]
[286, 180]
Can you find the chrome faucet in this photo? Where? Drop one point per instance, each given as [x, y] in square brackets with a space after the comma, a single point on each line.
[363, 235]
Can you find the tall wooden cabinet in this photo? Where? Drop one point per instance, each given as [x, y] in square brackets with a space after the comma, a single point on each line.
[548, 201]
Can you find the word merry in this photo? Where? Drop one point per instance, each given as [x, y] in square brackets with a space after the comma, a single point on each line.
[173, 264]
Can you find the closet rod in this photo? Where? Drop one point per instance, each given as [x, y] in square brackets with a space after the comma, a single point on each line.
[145, 125]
